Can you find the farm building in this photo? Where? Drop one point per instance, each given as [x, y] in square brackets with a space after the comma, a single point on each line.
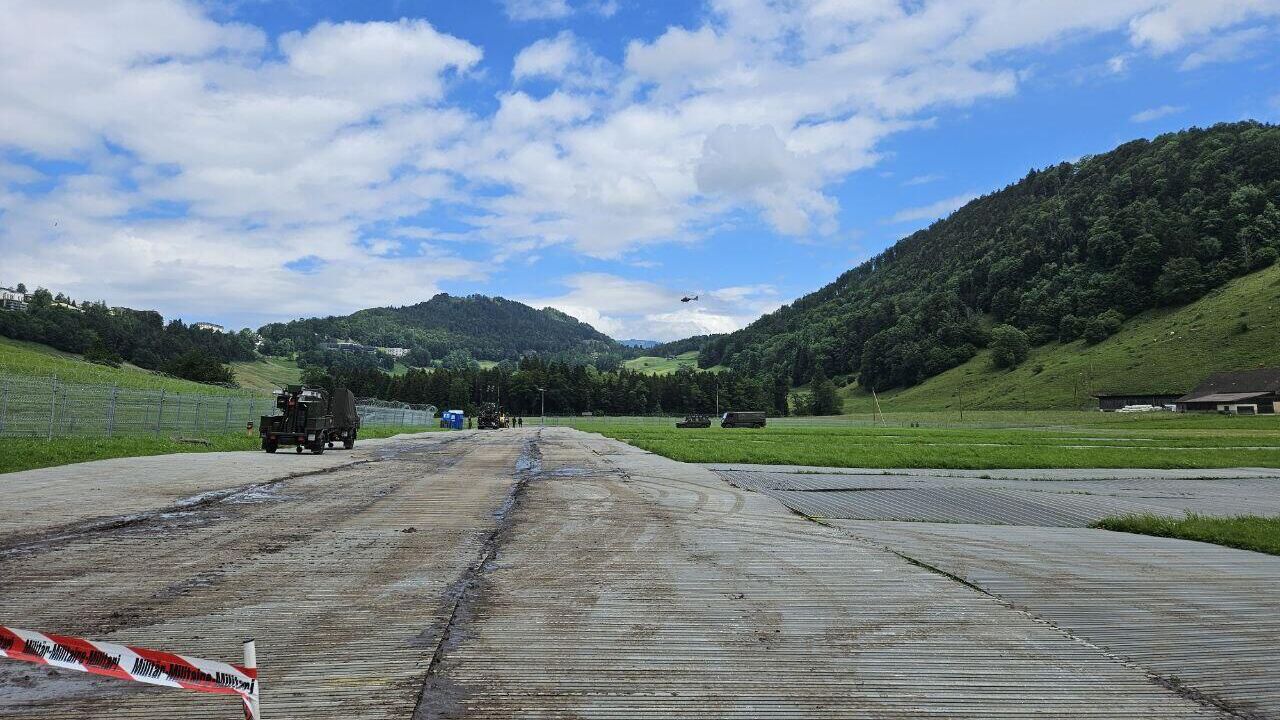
[1240, 392]
[1110, 402]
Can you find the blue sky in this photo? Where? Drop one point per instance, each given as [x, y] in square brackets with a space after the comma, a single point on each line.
[244, 162]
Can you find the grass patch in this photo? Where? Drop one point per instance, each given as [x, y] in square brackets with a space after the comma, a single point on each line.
[28, 453]
[267, 374]
[955, 448]
[654, 365]
[1245, 532]
[1165, 350]
[25, 358]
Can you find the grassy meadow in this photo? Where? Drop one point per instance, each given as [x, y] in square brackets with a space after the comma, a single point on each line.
[267, 374]
[1162, 351]
[24, 358]
[31, 453]
[1053, 440]
[1245, 532]
[654, 365]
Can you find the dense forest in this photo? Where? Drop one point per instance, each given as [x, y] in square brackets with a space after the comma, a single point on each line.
[571, 388]
[488, 328]
[1068, 252]
[114, 335]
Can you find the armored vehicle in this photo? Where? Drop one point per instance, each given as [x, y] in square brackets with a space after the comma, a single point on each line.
[742, 420]
[695, 421]
[310, 419]
[489, 417]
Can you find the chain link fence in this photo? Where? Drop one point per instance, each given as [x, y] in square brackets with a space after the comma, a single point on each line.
[387, 413]
[43, 407]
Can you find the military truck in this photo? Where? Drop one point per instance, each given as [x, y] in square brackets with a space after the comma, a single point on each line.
[742, 420]
[694, 421]
[489, 417]
[311, 420]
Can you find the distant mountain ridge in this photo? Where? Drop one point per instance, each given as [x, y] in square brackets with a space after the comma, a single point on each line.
[490, 328]
[1070, 252]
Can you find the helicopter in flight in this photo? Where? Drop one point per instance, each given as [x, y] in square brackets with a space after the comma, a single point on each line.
[686, 299]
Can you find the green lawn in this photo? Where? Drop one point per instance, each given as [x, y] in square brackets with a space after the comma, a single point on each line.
[24, 358]
[654, 365]
[1051, 446]
[267, 374]
[27, 454]
[1233, 328]
[1246, 532]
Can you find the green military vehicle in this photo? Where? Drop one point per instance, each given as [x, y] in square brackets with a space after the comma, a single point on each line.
[694, 421]
[309, 419]
[750, 419]
[489, 417]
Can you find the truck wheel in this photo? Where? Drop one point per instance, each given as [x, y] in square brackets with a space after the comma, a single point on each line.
[318, 449]
[297, 449]
[349, 442]
[270, 445]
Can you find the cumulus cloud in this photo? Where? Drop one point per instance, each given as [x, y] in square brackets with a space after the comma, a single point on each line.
[202, 149]
[625, 308]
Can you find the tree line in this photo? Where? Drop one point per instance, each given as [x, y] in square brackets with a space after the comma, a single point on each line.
[573, 388]
[1068, 253]
[111, 336]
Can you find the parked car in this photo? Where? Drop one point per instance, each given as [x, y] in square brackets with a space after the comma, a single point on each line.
[695, 421]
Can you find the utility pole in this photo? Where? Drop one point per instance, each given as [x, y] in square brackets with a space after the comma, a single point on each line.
[542, 392]
[960, 397]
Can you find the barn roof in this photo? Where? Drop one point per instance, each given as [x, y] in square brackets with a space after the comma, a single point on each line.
[1250, 382]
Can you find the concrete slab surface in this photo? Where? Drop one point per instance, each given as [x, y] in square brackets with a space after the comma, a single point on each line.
[1008, 498]
[519, 573]
[1204, 616]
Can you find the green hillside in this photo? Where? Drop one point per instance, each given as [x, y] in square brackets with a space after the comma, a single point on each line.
[18, 357]
[267, 374]
[1068, 252]
[490, 328]
[1234, 327]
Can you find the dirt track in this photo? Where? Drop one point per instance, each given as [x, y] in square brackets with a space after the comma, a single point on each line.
[522, 574]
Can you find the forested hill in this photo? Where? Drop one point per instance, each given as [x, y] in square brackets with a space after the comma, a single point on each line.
[490, 328]
[1070, 251]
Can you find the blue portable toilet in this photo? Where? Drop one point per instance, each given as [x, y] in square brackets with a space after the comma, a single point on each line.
[452, 419]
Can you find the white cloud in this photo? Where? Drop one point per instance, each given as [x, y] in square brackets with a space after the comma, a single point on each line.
[624, 308]
[1227, 47]
[319, 142]
[537, 9]
[564, 59]
[932, 211]
[1156, 113]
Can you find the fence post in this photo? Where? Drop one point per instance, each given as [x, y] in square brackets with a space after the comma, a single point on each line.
[53, 402]
[160, 412]
[111, 411]
[195, 421]
[226, 422]
[4, 405]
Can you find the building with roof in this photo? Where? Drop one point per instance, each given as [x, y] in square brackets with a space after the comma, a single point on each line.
[213, 327]
[12, 300]
[1110, 402]
[1240, 392]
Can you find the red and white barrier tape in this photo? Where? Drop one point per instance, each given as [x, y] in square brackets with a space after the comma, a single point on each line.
[138, 664]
